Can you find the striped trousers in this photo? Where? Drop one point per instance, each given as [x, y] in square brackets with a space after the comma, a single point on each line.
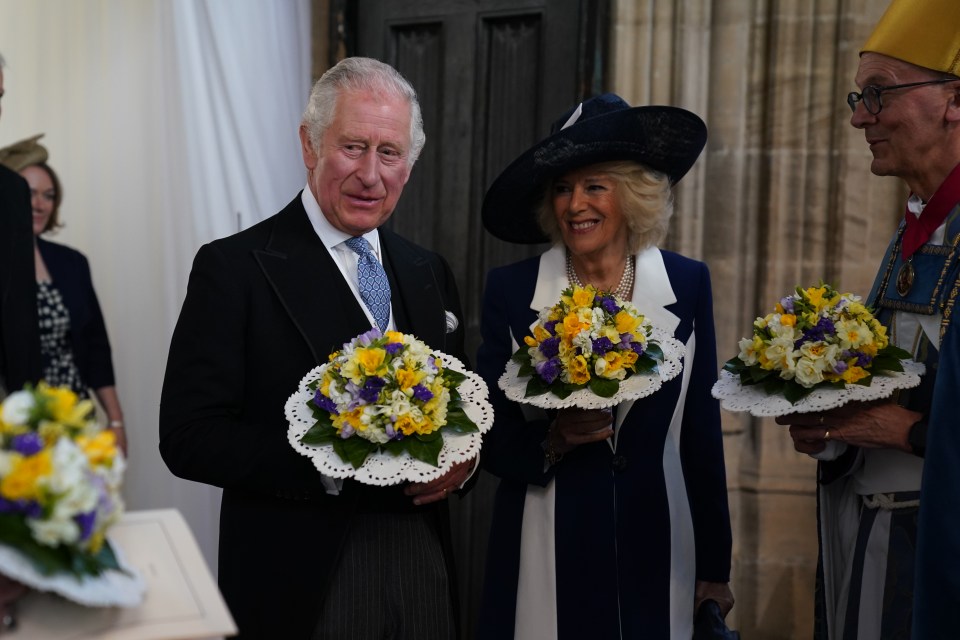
[391, 582]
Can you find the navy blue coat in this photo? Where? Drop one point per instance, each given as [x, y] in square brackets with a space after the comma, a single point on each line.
[635, 527]
[70, 272]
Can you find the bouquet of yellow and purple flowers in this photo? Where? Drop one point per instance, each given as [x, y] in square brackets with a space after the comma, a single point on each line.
[60, 477]
[815, 338]
[386, 392]
[589, 340]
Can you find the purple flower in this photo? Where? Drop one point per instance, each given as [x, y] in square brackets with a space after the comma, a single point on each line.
[840, 366]
[346, 432]
[393, 347]
[29, 508]
[548, 370]
[609, 304]
[625, 340]
[366, 338]
[550, 347]
[371, 390]
[27, 444]
[550, 325]
[421, 393]
[787, 304]
[325, 403]
[85, 521]
[602, 345]
[817, 333]
[637, 348]
[864, 360]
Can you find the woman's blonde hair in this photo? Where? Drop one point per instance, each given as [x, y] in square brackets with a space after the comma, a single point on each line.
[645, 198]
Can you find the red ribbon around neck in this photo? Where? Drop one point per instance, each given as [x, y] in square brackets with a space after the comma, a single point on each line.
[919, 229]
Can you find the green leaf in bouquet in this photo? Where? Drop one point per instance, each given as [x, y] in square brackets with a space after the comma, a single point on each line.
[865, 381]
[887, 362]
[322, 432]
[895, 352]
[794, 392]
[458, 421]
[603, 387]
[734, 365]
[654, 351]
[756, 375]
[15, 533]
[394, 447]
[645, 365]
[354, 450]
[424, 449]
[527, 370]
[563, 391]
[772, 385]
[521, 356]
[536, 386]
[453, 378]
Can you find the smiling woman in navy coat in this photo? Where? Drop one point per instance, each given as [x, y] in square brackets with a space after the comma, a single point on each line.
[605, 526]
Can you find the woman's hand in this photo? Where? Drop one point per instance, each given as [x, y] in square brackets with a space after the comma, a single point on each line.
[574, 427]
[719, 592]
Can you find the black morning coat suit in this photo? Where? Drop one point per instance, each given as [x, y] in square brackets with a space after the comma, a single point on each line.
[264, 307]
[19, 328]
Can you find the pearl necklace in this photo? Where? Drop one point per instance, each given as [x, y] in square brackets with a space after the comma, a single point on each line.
[624, 289]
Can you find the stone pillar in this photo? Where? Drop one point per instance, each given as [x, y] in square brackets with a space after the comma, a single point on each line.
[782, 197]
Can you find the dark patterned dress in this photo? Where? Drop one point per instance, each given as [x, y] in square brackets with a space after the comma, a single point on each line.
[59, 366]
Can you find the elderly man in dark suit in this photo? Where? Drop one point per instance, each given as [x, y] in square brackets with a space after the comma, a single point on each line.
[19, 329]
[19, 334]
[302, 555]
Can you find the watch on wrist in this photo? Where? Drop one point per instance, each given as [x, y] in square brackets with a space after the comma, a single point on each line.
[917, 438]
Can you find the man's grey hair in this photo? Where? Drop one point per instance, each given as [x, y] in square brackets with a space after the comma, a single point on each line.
[361, 74]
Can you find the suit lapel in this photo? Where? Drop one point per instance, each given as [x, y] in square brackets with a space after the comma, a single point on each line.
[415, 295]
[309, 284]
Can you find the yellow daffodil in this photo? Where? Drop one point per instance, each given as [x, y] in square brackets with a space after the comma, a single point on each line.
[372, 361]
[100, 449]
[21, 482]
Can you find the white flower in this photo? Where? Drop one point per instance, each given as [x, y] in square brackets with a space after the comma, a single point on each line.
[747, 353]
[584, 341]
[54, 531]
[809, 372]
[853, 334]
[780, 352]
[17, 407]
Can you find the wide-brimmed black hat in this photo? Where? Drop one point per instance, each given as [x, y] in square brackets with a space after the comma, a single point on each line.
[600, 129]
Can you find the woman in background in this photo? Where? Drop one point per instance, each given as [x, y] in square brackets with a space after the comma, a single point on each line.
[606, 525]
[75, 350]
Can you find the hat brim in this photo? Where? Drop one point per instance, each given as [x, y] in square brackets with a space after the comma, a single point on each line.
[666, 139]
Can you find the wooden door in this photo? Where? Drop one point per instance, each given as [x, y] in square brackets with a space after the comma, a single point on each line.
[491, 76]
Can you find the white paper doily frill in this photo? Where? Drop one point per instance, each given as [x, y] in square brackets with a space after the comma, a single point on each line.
[636, 386]
[383, 469]
[754, 400]
[109, 589]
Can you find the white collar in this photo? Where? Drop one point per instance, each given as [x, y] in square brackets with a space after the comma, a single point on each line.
[652, 292]
[329, 234]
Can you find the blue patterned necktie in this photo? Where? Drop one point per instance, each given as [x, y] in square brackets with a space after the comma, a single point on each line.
[374, 288]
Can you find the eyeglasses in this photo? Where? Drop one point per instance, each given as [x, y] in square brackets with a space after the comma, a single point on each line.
[871, 94]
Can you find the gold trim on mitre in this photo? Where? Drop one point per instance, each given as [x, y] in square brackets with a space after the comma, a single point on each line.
[922, 32]
[20, 155]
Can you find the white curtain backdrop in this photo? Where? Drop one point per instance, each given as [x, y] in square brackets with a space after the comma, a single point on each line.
[171, 123]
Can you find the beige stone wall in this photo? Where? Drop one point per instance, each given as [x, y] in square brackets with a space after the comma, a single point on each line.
[783, 196]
